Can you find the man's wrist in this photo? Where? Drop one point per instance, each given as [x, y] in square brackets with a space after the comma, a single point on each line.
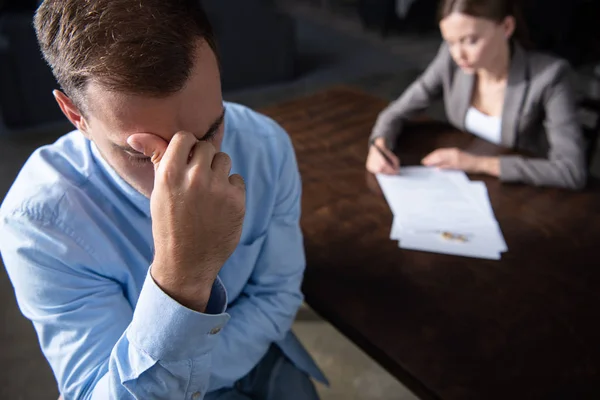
[160, 325]
[191, 293]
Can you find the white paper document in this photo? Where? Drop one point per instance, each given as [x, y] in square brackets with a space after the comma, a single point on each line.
[443, 212]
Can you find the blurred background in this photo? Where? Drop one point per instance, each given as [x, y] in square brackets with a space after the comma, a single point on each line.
[271, 51]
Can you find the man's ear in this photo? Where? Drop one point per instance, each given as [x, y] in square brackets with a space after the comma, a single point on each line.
[71, 112]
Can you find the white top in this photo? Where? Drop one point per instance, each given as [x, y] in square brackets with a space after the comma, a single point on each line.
[486, 127]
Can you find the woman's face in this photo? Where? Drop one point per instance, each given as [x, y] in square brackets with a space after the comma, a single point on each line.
[475, 43]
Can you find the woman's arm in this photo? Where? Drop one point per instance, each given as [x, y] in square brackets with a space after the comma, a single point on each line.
[566, 165]
[416, 98]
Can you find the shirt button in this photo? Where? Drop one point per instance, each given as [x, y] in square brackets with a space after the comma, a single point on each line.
[196, 396]
[216, 330]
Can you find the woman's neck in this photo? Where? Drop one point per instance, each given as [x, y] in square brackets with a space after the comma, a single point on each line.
[498, 69]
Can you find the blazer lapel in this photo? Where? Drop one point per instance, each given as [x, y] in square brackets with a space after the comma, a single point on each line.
[514, 96]
[460, 98]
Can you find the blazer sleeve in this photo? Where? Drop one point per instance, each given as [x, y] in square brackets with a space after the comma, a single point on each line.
[565, 166]
[419, 95]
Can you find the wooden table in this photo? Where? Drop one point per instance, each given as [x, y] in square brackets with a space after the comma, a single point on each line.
[448, 327]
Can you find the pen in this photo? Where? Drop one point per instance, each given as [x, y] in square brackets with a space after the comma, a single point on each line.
[447, 235]
[455, 236]
[387, 158]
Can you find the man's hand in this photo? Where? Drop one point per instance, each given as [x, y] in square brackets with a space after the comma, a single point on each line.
[452, 158]
[197, 213]
[376, 162]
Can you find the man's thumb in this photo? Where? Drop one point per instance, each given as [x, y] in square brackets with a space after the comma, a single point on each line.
[148, 144]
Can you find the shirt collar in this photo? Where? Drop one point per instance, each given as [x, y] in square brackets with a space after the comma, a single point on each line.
[139, 201]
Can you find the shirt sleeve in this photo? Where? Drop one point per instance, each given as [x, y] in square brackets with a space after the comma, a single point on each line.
[266, 308]
[95, 341]
[419, 95]
[566, 164]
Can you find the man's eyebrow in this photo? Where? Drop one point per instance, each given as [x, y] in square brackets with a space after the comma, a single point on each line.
[214, 126]
[210, 132]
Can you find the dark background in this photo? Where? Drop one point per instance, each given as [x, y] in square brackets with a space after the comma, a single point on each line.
[271, 51]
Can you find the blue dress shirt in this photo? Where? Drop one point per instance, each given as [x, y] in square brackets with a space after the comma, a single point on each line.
[76, 241]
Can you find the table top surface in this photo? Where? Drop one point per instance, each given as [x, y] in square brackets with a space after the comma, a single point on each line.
[448, 327]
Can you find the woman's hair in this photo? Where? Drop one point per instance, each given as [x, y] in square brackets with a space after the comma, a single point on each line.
[495, 10]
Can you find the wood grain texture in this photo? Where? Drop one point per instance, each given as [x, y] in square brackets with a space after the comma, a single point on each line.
[449, 327]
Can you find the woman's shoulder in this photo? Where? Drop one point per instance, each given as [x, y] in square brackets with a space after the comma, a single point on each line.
[443, 54]
[547, 67]
[443, 63]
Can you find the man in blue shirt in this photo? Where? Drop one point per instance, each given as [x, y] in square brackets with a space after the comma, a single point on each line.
[128, 239]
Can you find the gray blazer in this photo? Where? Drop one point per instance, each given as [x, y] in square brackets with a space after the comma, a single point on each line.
[539, 115]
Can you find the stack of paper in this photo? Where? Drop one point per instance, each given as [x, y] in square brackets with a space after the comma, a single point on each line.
[443, 212]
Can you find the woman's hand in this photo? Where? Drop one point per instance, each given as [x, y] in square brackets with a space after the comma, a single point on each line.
[453, 158]
[377, 163]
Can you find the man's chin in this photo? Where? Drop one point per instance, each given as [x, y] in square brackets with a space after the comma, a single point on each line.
[145, 190]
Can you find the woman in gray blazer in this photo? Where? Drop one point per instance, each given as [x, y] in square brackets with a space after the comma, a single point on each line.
[496, 89]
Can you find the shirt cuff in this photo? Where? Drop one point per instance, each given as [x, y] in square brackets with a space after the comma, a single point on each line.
[168, 331]
[217, 303]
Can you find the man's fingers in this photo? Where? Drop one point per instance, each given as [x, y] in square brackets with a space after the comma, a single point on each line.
[221, 164]
[148, 144]
[179, 149]
[203, 155]
[237, 181]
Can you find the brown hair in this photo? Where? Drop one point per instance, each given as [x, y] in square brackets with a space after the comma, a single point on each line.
[136, 46]
[495, 10]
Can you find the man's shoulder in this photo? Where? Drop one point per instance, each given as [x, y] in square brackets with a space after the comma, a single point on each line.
[243, 119]
[53, 174]
[250, 133]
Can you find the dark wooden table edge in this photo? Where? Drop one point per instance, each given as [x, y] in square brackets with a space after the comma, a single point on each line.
[391, 366]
